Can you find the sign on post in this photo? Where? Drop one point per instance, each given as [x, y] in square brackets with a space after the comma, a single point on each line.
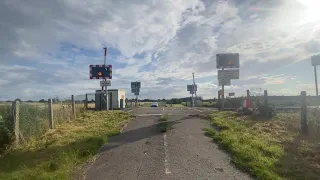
[192, 88]
[315, 60]
[224, 82]
[105, 83]
[135, 87]
[228, 74]
[100, 71]
[231, 94]
[229, 60]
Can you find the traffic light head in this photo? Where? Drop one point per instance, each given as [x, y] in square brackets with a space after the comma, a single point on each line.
[100, 71]
[230, 60]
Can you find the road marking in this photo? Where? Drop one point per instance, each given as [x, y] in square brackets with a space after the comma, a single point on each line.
[166, 155]
[198, 110]
[150, 114]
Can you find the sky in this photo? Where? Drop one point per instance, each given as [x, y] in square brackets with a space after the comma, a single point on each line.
[47, 46]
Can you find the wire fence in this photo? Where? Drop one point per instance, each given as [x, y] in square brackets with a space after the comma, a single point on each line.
[22, 121]
[306, 109]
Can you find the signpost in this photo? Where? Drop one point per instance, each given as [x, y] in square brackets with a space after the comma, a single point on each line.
[228, 74]
[105, 83]
[228, 60]
[231, 94]
[135, 89]
[102, 72]
[315, 61]
[192, 88]
[224, 82]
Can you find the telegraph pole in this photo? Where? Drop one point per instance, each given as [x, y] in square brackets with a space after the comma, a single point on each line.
[105, 61]
[194, 84]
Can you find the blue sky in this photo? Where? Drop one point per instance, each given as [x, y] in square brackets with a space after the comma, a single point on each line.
[47, 46]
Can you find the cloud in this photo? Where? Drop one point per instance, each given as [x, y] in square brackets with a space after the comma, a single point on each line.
[47, 46]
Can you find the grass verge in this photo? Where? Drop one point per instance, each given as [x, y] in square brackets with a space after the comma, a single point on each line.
[59, 152]
[269, 150]
[164, 125]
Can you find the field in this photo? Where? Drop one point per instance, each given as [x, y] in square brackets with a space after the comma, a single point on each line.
[269, 149]
[57, 153]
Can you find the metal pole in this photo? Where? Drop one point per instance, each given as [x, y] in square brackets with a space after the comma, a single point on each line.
[136, 100]
[107, 98]
[222, 96]
[107, 95]
[194, 85]
[316, 79]
[192, 101]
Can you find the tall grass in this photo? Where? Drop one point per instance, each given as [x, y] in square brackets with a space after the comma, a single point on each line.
[6, 126]
[313, 116]
[33, 120]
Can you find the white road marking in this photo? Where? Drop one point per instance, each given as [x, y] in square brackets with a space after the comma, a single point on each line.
[166, 155]
[198, 110]
[150, 114]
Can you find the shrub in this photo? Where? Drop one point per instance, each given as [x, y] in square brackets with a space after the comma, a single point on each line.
[6, 127]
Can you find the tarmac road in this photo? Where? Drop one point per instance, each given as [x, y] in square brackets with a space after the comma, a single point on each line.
[141, 152]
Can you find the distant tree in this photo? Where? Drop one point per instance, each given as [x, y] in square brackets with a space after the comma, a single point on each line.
[29, 101]
[42, 100]
[18, 100]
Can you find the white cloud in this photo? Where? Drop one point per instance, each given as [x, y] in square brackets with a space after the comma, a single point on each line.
[158, 42]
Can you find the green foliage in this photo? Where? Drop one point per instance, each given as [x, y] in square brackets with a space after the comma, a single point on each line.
[58, 153]
[6, 126]
[250, 151]
[34, 120]
[270, 149]
[164, 125]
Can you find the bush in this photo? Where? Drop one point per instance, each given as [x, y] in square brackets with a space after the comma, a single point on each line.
[6, 127]
[265, 111]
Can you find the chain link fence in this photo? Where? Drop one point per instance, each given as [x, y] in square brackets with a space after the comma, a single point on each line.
[21, 121]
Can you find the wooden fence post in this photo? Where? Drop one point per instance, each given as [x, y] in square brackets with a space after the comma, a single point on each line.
[219, 100]
[16, 120]
[304, 120]
[265, 99]
[73, 107]
[86, 102]
[51, 123]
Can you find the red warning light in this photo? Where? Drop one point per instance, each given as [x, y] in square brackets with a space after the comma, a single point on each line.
[229, 62]
[99, 73]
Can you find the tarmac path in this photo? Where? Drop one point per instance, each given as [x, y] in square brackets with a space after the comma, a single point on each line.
[141, 152]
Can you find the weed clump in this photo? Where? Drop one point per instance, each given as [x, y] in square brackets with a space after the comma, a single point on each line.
[164, 125]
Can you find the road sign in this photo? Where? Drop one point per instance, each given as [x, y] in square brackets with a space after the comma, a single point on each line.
[229, 60]
[100, 71]
[136, 93]
[105, 83]
[315, 60]
[135, 90]
[231, 94]
[224, 82]
[228, 74]
[192, 88]
[136, 85]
